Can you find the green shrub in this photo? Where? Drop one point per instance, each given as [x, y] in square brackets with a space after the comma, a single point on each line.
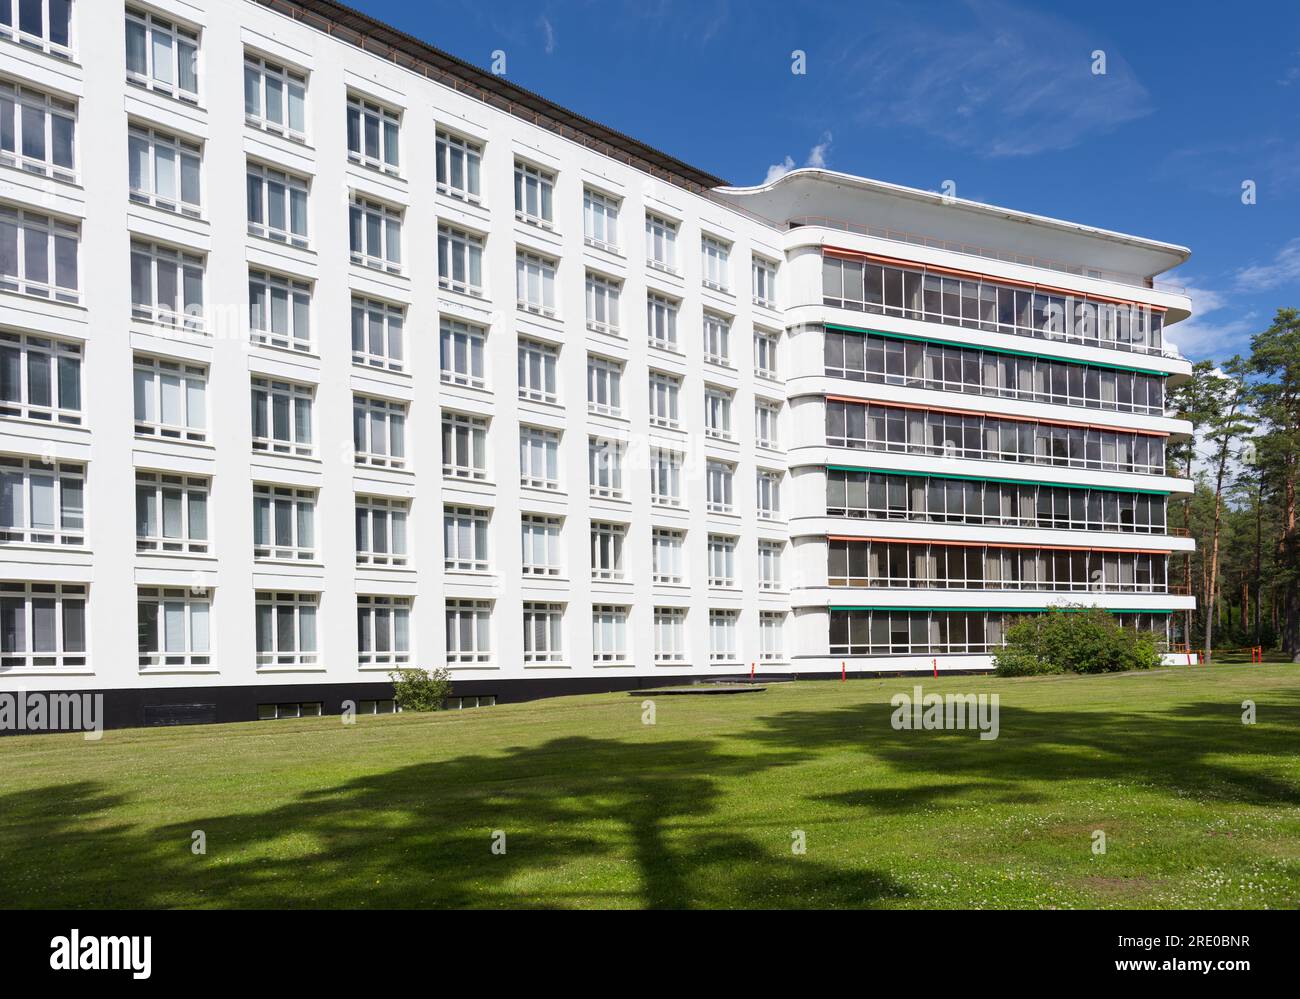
[1073, 640]
[420, 689]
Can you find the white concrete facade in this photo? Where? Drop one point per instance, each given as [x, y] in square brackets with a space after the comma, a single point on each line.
[73, 616]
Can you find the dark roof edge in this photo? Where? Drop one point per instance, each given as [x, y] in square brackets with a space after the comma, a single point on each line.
[383, 40]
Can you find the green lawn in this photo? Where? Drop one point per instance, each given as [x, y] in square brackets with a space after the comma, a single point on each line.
[599, 809]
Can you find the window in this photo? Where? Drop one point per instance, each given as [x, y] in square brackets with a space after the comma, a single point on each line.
[468, 631]
[40, 24]
[35, 248]
[174, 627]
[459, 164]
[771, 635]
[722, 636]
[461, 353]
[284, 524]
[769, 565]
[465, 539]
[719, 478]
[609, 634]
[42, 503]
[537, 364]
[670, 635]
[279, 311]
[164, 170]
[605, 467]
[714, 266]
[170, 399]
[375, 235]
[661, 243]
[665, 392]
[661, 321]
[381, 530]
[717, 413]
[464, 446]
[541, 545]
[665, 477]
[765, 354]
[160, 55]
[535, 283]
[379, 432]
[42, 626]
[542, 632]
[766, 415]
[383, 631]
[534, 193]
[286, 630]
[607, 550]
[722, 560]
[277, 206]
[275, 98]
[604, 386]
[600, 220]
[764, 272]
[373, 135]
[377, 329]
[40, 378]
[769, 494]
[167, 286]
[171, 513]
[282, 417]
[717, 339]
[539, 458]
[37, 131]
[460, 261]
[666, 555]
[602, 303]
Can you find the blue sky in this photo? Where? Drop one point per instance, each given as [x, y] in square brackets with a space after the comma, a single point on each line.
[997, 95]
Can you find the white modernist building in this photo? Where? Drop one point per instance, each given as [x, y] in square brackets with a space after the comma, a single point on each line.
[324, 353]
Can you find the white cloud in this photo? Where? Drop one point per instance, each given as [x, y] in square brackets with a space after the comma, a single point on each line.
[1205, 336]
[1284, 268]
[548, 33]
[816, 158]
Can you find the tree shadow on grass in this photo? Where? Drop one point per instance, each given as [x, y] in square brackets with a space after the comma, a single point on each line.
[586, 821]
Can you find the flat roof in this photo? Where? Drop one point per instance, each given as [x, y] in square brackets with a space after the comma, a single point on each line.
[349, 25]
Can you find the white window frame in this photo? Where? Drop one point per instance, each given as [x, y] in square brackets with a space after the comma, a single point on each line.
[771, 634]
[769, 494]
[720, 479]
[538, 370]
[604, 386]
[181, 43]
[58, 654]
[155, 375]
[191, 496]
[302, 609]
[274, 299]
[185, 274]
[379, 432]
[766, 361]
[461, 352]
[382, 516]
[28, 362]
[369, 218]
[269, 501]
[605, 468]
[763, 276]
[722, 561]
[289, 82]
[668, 556]
[36, 243]
[466, 538]
[661, 243]
[723, 635]
[666, 477]
[544, 621]
[715, 263]
[670, 634]
[540, 544]
[159, 147]
[297, 398]
[534, 195]
[470, 431]
[477, 616]
[539, 458]
[291, 228]
[600, 213]
[665, 400]
[463, 249]
[767, 422]
[603, 294]
[383, 630]
[717, 339]
[378, 334]
[12, 31]
[607, 543]
[717, 413]
[609, 633]
[771, 554]
[535, 282]
[63, 486]
[196, 634]
[387, 134]
[661, 322]
[450, 148]
[18, 101]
